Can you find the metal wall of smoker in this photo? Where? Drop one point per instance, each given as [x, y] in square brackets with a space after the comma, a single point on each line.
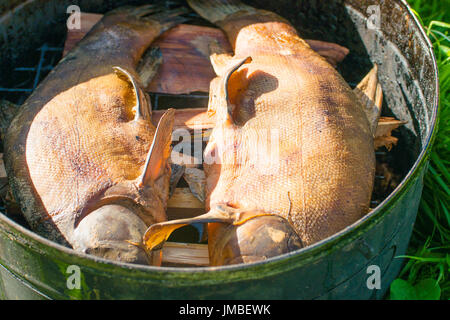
[33, 267]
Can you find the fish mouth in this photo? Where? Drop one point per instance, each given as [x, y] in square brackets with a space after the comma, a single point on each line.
[112, 232]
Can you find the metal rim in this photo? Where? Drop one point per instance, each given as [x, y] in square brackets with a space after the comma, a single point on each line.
[345, 234]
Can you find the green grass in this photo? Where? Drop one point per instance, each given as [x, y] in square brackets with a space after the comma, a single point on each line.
[427, 272]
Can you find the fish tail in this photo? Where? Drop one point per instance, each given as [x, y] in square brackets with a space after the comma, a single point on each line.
[170, 18]
[218, 10]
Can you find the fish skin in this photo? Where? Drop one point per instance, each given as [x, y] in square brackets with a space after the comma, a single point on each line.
[326, 158]
[76, 144]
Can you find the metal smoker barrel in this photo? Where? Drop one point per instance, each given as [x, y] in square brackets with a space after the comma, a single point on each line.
[386, 33]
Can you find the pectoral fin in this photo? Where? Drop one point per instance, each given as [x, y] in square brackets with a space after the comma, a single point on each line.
[221, 100]
[227, 76]
[158, 233]
[142, 107]
[160, 149]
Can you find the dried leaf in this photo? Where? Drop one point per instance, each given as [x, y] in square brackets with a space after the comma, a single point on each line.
[386, 125]
[383, 135]
[196, 181]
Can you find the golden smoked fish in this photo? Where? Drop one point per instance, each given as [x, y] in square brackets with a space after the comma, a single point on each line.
[291, 159]
[83, 158]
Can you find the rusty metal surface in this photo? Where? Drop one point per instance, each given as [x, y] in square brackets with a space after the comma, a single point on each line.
[33, 267]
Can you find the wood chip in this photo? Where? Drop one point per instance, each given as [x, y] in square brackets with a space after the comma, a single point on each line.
[183, 198]
[383, 136]
[189, 254]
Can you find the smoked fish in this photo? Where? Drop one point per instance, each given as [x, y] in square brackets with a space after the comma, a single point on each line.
[291, 158]
[83, 158]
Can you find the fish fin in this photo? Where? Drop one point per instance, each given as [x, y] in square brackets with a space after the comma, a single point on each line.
[142, 107]
[149, 64]
[160, 149]
[224, 84]
[220, 59]
[370, 94]
[218, 10]
[158, 233]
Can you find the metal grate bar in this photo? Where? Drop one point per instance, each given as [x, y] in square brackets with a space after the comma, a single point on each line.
[15, 90]
[37, 70]
[156, 101]
[39, 67]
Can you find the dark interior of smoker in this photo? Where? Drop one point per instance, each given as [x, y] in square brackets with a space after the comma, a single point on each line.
[25, 60]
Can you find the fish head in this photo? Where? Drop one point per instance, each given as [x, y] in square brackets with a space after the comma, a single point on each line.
[112, 224]
[258, 237]
[112, 232]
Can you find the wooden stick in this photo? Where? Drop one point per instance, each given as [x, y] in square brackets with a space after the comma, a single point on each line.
[189, 254]
[183, 198]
